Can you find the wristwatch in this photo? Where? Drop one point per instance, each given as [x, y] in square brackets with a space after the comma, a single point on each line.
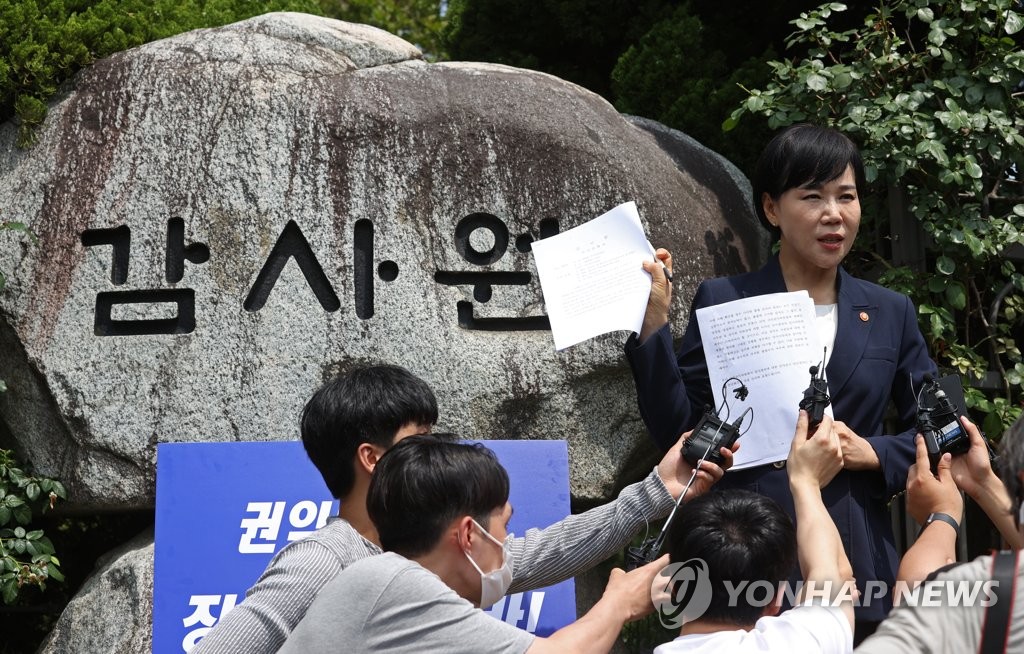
[943, 517]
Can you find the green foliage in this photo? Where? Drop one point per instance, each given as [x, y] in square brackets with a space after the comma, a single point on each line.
[690, 69]
[657, 78]
[932, 92]
[419, 22]
[577, 40]
[44, 42]
[26, 554]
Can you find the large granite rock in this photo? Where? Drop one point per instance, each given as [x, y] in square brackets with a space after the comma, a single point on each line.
[113, 612]
[230, 216]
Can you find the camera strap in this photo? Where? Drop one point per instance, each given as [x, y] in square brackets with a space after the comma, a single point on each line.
[995, 626]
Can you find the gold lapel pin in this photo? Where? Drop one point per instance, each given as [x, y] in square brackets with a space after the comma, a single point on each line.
[863, 316]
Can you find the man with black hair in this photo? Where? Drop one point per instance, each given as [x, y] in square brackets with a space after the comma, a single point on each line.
[939, 622]
[346, 427]
[744, 545]
[441, 510]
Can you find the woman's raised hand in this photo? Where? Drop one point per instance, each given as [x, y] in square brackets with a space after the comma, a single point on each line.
[660, 299]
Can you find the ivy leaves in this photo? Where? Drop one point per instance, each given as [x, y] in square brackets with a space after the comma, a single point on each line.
[26, 555]
[930, 90]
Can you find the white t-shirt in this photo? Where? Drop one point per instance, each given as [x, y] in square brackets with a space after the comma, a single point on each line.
[806, 629]
[826, 321]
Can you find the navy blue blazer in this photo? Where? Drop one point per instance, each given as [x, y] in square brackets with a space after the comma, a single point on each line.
[873, 360]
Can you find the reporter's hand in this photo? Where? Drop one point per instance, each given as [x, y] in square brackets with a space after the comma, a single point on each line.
[631, 591]
[927, 493]
[816, 459]
[857, 452]
[972, 469]
[675, 470]
[656, 315]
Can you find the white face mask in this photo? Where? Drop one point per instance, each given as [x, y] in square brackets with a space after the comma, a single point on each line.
[493, 584]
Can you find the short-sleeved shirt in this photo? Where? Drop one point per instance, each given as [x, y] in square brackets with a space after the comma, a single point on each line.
[806, 629]
[388, 603]
[948, 617]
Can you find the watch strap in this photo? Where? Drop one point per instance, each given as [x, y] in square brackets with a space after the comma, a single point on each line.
[943, 517]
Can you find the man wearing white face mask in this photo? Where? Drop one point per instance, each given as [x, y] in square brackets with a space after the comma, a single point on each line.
[441, 510]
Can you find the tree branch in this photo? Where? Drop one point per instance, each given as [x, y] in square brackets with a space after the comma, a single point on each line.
[991, 338]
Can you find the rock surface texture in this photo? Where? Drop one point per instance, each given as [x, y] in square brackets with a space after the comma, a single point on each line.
[228, 217]
[112, 612]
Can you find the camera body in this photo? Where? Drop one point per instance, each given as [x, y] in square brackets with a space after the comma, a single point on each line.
[710, 434]
[707, 438]
[938, 420]
[815, 398]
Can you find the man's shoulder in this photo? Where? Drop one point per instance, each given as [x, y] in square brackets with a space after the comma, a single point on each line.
[805, 628]
[380, 570]
[388, 581]
[338, 538]
[979, 569]
[827, 626]
[375, 572]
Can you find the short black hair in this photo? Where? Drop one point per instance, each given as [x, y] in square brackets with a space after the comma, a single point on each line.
[424, 483]
[803, 155]
[367, 404]
[742, 536]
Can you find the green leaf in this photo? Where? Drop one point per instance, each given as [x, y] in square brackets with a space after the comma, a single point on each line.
[58, 488]
[19, 532]
[974, 244]
[22, 514]
[937, 284]
[817, 82]
[32, 491]
[956, 295]
[945, 265]
[926, 14]
[34, 535]
[842, 81]
[54, 573]
[1014, 23]
[992, 423]
[10, 591]
[12, 501]
[1014, 377]
[973, 169]
[5, 515]
[1019, 209]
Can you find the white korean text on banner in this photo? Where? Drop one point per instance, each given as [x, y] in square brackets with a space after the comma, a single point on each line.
[224, 509]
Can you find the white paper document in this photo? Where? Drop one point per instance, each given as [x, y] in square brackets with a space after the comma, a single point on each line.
[592, 278]
[769, 342]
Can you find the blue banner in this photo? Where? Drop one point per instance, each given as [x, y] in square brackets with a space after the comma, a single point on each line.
[224, 509]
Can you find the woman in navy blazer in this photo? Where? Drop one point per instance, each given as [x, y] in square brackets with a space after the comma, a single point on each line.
[806, 189]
